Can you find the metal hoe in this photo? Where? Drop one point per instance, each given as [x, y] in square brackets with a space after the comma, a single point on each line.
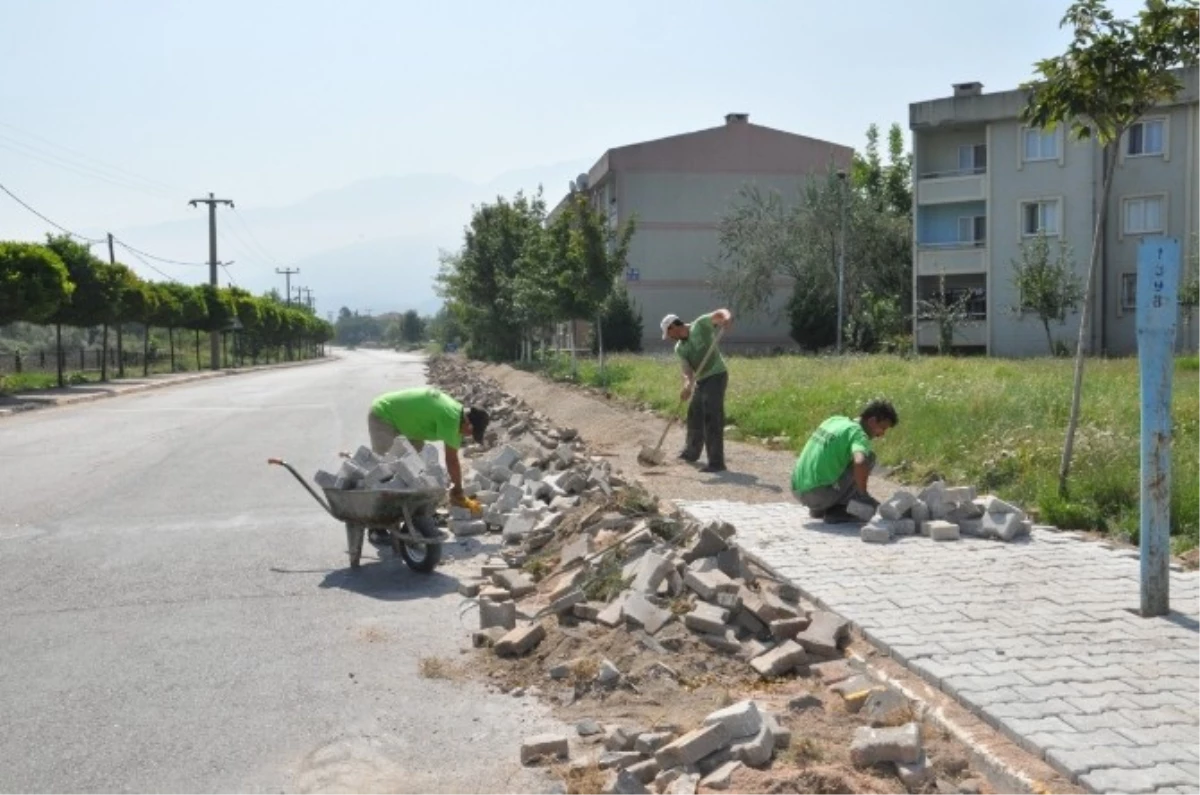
[653, 456]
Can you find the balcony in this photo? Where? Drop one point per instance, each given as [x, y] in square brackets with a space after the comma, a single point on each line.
[946, 187]
[952, 258]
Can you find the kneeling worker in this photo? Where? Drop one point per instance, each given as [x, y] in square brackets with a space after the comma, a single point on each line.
[424, 414]
[836, 461]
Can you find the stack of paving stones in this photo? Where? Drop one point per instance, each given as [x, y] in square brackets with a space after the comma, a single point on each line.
[402, 468]
[941, 513]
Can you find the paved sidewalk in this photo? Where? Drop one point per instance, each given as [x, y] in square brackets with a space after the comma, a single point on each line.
[1036, 637]
[52, 398]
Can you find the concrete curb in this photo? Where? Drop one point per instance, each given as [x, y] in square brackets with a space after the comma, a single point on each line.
[70, 400]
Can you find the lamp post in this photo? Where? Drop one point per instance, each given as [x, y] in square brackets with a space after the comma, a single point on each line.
[841, 277]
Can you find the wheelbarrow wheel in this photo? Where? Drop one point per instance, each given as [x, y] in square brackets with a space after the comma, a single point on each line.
[422, 558]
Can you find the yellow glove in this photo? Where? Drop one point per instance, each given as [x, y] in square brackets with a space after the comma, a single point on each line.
[459, 500]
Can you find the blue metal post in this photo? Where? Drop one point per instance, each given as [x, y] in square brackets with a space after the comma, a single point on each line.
[1157, 314]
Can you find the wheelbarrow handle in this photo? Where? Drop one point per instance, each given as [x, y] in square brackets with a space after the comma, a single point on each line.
[303, 482]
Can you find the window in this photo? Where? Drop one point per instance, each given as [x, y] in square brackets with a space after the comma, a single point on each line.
[1145, 138]
[972, 158]
[1129, 292]
[1039, 217]
[1143, 215]
[972, 229]
[1040, 144]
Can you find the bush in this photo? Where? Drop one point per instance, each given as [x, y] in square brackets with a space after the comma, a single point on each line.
[620, 323]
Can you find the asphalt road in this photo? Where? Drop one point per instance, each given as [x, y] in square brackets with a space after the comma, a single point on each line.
[177, 616]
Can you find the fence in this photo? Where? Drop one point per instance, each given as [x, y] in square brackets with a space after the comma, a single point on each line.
[91, 360]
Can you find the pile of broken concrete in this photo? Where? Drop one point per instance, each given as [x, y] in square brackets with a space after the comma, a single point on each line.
[941, 513]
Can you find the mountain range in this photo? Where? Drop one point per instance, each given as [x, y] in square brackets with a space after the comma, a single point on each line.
[372, 244]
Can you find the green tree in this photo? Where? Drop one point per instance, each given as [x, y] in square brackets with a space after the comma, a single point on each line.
[1047, 285]
[412, 329]
[1113, 72]
[34, 283]
[947, 310]
[620, 323]
[181, 306]
[138, 304]
[1189, 289]
[167, 312]
[89, 303]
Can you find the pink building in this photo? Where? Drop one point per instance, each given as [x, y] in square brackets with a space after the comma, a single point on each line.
[679, 188]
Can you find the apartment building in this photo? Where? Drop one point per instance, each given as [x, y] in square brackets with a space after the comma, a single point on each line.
[679, 188]
[985, 184]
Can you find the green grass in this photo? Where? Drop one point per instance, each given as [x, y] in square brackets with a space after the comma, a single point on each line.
[994, 423]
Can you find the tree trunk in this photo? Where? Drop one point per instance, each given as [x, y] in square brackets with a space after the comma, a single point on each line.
[171, 345]
[199, 365]
[58, 354]
[600, 351]
[574, 356]
[120, 350]
[1049, 338]
[146, 350]
[104, 354]
[1064, 469]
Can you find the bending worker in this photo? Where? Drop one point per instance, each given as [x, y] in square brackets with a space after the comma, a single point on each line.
[706, 412]
[836, 461]
[424, 414]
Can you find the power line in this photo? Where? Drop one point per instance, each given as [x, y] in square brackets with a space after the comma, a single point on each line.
[151, 267]
[272, 260]
[76, 168]
[57, 226]
[148, 255]
[228, 274]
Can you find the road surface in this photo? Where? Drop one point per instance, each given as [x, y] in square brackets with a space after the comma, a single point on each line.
[178, 616]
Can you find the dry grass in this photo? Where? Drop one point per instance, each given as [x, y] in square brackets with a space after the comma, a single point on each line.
[439, 668]
[581, 779]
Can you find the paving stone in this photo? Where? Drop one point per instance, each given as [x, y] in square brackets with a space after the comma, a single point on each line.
[872, 746]
[618, 760]
[545, 746]
[652, 570]
[707, 584]
[722, 777]
[780, 660]
[755, 751]
[650, 742]
[644, 613]
[1135, 781]
[742, 719]
[941, 531]
[726, 641]
[708, 543]
[497, 614]
[625, 782]
[520, 640]
[614, 613]
[517, 582]
[875, 534]
[886, 707]
[914, 775]
[898, 506]
[824, 634]
[693, 746]
[621, 738]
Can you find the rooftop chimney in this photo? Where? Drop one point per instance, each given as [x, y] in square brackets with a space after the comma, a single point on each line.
[737, 118]
[968, 89]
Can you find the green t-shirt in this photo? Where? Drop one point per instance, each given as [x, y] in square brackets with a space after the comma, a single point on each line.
[828, 452]
[422, 414]
[693, 349]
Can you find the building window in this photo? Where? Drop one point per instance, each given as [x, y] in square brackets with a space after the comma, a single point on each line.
[972, 158]
[1143, 216]
[1128, 292]
[1145, 138]
[972, 229]
[1041, 216]
[1040, 144]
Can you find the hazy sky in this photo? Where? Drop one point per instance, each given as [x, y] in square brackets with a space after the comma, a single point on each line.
[268, 102]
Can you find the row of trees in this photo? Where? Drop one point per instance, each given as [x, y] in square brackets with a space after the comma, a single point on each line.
[764, 237]
[61, 283]
[391, 328]
[521, 270]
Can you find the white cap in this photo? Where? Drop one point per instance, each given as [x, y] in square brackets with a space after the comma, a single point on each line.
[667, 322]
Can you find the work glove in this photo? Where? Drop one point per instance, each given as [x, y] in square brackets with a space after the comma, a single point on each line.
[460, 500]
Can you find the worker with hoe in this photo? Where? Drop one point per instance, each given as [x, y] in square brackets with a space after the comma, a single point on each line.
[836, 461]
[706, 388]
[424, 414]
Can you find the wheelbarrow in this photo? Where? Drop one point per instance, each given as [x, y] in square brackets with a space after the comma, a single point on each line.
[408, 517]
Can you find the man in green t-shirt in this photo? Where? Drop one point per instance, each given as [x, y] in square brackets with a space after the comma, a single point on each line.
[836, 461]
[706, 412]
[424, 414]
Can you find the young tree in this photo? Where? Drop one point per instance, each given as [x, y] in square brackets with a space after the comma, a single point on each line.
[168, 310]
[1189, 290]
[948, 312]
[88, 305]
[34, 283]
[1047, 285]
[182, 306]
[411, 327]
[1111, 74]
[620, 323]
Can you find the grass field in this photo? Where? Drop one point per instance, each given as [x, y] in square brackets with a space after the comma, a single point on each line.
[994, 423]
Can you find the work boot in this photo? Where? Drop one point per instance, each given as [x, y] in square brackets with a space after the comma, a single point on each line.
[711, 468]
[685, 456]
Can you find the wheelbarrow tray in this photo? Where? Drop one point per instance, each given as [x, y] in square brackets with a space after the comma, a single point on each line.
[379, 508]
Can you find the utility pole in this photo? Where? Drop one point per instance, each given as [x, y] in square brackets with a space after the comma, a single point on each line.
[214, 337]
[286, 273]
[841, 284]
[112, 260]
[307, 297]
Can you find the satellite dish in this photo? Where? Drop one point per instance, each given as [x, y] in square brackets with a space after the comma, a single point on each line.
[582, 181]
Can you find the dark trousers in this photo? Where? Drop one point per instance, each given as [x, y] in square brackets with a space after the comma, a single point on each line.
[706, 420]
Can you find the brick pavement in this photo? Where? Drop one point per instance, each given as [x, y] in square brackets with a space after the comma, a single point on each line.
[1038, 637]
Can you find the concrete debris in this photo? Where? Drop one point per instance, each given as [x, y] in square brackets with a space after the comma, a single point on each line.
[873, 746]
[402, 468]
[544, 746]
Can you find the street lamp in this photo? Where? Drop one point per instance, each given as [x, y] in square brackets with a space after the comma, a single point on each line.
[841, 281]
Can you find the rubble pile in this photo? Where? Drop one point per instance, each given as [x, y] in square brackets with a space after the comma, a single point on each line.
[402, 468]
[942, 513]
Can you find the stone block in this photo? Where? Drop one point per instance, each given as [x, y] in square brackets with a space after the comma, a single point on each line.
[993, 504]
[564, 502]
[652, 569]
[516, 581]
[497, 614]
[824, 635]
[781, 734]
[903, 527]
[875, 534]
[780, 660]
[510, 499]
[742, 719]
[919, 513]
[618, 760]
[325, 480]
[788, 628]
[608, 674]
[730, 562]
[707, 584]
[468, 588]
[494, 593]
[566, 603]
[468, 527]
[726, 641]
[577, 548]
[613, 614]
[693, 746]
[756, 751]
[707, 543]
[1003, 526]
[624, 782]
[942, 531]
[644, 613]
[588, 611]
[644, 771]
[486, 638]
[861, 510]
[855, 691]
[777, 605]
[886, 707]
[873, 746]
[805, 701]
[914, 775]
[746, 620]
[545, 746]
[958, 495]
[685, 784]
[649, 742]
[705, 617]
[898, 506]
[520, 640]
[620, 738]
[972, 528]
[505, 458]
[722, 777]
